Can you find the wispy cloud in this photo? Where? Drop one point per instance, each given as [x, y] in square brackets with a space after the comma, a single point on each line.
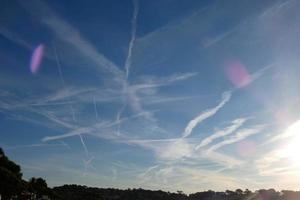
[37, 146]
[65, 32]
[214, 40]
[88, 165]
[291, 131]
[225, 98]
[127, 103]
[261, 72]
[169, 149]
[275, 9]
[223, 159]
[63, 82]
[76, 132]
[14, 37]
[162, 99]
[279, 161]
[114, 174]
[175, 150]
[152, 82]
[144, 175]
[240, 135]
[133, 36]
[86, 151]
[235, 124]
[182, 150]
[50, 116]
[206, 114]
[133, 90]
[98, 128]
[192, 178]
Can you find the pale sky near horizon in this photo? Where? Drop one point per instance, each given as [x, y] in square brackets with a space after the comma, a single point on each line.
[173, 95]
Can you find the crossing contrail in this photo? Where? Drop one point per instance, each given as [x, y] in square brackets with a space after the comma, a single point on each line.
[63, 82]
[71, 106]
[88, 164]
[128, 58]
[84, 145]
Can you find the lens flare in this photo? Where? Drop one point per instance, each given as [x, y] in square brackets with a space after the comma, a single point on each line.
[36, 58]
[237, 74]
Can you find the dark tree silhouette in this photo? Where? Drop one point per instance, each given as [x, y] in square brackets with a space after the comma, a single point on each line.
[38, 186]
[11, 183]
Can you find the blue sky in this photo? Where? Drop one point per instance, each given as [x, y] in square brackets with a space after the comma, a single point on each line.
[173, 95]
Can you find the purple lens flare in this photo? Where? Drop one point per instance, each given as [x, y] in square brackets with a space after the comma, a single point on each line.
[237, 73]
[36, 58]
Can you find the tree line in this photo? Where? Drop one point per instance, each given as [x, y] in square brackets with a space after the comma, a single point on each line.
[78, 192]
[12, 186]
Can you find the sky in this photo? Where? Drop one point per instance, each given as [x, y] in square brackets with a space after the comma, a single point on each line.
[172, 95]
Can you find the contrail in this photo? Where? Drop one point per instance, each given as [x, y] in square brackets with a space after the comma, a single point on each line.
[235, 124]
[119, 117]
[86, 130]
[73, 113]
[240, 135]
[128, 58]
[84, 145]
[71, 106]
[133, 36]
[62, 78]
[206, 114]
[68, 34]
[87, 163]
[37, 145]
[95, 107]
[65, 144]
[58, 66]
[225, 98]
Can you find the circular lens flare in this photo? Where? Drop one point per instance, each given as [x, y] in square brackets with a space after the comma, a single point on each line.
[237, 74]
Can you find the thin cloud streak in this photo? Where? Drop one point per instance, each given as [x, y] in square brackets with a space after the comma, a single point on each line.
[225, 160]
[65, 32]
[153, 82]
[90, 129]
[36, 146]
[290, 131]
[161, 100]
[240, 135]
[14, 38]
[206, 114]
[225, 98]
[133, 36]
[84, 145]
[235, 124]
[71, 105]
[211, 41]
